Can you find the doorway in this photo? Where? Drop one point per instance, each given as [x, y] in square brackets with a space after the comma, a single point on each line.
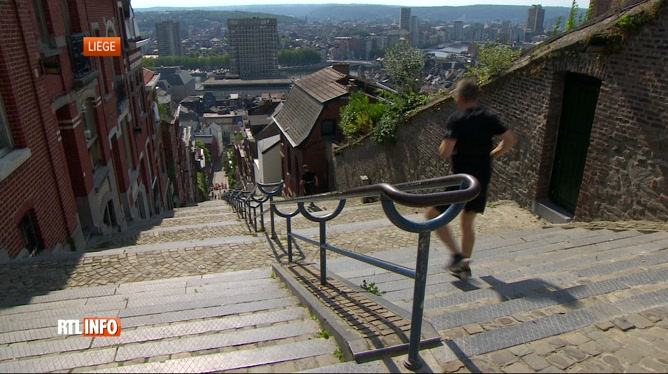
[577, 116]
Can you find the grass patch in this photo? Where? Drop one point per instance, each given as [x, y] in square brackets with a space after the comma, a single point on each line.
[323, 334]
[338, 353]
[371, 287]
[273, 275]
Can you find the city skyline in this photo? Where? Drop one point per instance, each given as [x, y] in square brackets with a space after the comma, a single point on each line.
[140, 4]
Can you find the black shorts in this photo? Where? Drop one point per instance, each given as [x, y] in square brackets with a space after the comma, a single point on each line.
[480, 202]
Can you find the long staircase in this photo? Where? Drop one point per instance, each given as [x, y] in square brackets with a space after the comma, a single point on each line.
[196, 293]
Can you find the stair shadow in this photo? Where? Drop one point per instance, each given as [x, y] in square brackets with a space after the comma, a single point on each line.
[534, 288]
[297, 253]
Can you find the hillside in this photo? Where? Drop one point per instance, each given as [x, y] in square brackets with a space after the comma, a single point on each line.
[472, 13]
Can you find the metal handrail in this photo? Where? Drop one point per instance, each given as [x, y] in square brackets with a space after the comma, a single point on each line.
[389, 195]
[396, 192]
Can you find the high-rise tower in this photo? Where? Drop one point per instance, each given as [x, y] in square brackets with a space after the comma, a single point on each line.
[405, 20]
[535, 20]
[253, 47]
[168, 34]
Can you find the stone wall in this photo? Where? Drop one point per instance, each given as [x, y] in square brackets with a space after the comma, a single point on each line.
[627, 161]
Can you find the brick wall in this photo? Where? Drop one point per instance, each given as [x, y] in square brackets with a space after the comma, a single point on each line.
[627, 161]
[39, 184]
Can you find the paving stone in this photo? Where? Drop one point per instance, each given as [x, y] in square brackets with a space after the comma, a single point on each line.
[605, 325]
[541, 347]
[453, 366]
[574, 353]
[503, 358]
[557, 342]
[481, 366]
[639, 321]
[623, 323]
[517, 367]
[551, 369]
[520, 350]
[612, 361]
[631, 355]
[575, 338]
[535, 361]
[651, 316]
[593, 365]
[561, 361]
[654, 365]
[638, 369]
[473, 328]
[608, 344]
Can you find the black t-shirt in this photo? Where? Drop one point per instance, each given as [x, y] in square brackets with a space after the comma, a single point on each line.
[309, 178]
[474, 129]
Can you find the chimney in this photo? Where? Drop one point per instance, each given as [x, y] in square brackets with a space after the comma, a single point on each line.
[351, 85]
[341, 67]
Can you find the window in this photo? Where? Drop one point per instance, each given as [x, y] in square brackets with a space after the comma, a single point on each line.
[42, 26]
[127, 145]
[88, 120]
[328, 128]
[5, 134]
[29, 235]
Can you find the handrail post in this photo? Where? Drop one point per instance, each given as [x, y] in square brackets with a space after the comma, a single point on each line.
[289, 229]
[323, 253]
[261, 217]
[271, 215]
[413, 361]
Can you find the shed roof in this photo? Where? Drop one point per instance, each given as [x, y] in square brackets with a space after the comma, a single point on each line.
[306, 101]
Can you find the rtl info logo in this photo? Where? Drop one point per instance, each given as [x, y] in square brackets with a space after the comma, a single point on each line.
[102, 46]
[92, 326]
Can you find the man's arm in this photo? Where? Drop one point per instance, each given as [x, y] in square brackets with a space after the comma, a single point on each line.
[508, 140]
[446, 147]
[316, 180]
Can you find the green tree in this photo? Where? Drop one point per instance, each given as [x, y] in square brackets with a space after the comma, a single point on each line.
[298, 57]
[202, 186]
[360, 116]
[405, 65]
[207, 154]
[493, 59]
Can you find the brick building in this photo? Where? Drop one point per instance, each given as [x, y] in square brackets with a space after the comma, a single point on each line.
[308, 122]
[588, 109]
[78, 151]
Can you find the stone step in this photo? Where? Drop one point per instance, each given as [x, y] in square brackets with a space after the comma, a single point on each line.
[352, 367]
[198, 343]
[516, 303]
[548, 326]
[563, 263]
[234, 360]
[137, 293]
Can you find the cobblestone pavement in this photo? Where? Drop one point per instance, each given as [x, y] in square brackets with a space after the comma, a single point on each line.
[209, 239]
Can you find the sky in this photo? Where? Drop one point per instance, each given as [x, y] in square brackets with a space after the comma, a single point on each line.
[409, 3]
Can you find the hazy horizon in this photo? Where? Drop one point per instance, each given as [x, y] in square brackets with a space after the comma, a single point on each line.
[141, 4]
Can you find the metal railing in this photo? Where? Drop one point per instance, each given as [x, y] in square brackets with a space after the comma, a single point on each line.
[389, 195]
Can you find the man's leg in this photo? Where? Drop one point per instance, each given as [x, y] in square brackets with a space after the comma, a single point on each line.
[468, 232]
[444, 232]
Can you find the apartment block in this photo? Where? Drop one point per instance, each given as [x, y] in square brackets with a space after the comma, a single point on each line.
[253, 47]
[168, 36]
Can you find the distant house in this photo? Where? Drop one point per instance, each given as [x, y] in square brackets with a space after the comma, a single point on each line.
[268, 162]
[178, 83]
[309, 120]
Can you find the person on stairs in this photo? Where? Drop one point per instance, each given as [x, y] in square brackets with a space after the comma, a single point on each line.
[468, 142]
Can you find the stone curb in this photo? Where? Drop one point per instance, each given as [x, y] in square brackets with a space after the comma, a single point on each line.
[345, 337]
[353, 344]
